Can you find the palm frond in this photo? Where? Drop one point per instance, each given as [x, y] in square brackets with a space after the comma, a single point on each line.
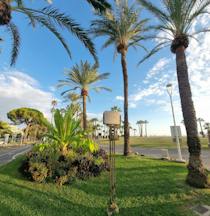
[156, 49]
[100, 5]
[13, 30]
[63, 20]
[98, 89]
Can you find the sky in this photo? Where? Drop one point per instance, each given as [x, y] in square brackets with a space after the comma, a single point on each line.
[42, 62]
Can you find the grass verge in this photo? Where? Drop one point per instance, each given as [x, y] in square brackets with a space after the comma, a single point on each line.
[155, 142]
[145, 187]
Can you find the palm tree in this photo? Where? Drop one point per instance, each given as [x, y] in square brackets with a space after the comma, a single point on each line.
[134, 130]
[75, 103]
[140, 124]
[207, 127]
[94, 121]
[123, 29]
[116, 109]
[54, 103]
[145, 126]
[175, 21]
[48, 17]
[82, 77]
[200, 120]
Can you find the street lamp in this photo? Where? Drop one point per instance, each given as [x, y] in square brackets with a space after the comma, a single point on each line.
[169, 88]
[112, 119]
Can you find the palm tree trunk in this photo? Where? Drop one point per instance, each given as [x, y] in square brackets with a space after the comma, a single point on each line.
[141, 135]
[202, 133]
[84, 112]
[145, 129]
[197, 175]
[126, 123]
[209, 137]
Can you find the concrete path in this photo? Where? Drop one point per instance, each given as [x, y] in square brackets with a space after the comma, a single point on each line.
[8, 154]
[158, 153]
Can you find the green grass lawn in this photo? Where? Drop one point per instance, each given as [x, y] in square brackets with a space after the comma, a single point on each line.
[155, 142]
[145, 187]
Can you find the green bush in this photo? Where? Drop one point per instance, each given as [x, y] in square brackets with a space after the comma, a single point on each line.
[38, 171]
[51, 166]
[68, 154]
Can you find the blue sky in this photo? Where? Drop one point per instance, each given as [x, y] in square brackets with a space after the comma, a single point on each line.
[42, 62]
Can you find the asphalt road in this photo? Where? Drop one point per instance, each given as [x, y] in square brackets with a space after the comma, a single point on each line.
[8, 154]
[159, 153]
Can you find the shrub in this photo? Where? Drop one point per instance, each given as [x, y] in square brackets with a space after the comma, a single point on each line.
[48, 166]
[69, 154]
[38, 171]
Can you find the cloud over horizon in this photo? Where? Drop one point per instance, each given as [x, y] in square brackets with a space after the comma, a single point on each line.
[17, 89]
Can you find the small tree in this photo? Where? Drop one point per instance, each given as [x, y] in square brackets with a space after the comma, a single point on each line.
[32, 118]
[4, 128]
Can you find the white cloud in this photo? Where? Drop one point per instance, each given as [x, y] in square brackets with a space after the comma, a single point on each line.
[120, 98]
[90, 115]
[151, 91]
[18, 89]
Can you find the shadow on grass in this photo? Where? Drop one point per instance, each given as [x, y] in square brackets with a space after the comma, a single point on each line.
[145, 187]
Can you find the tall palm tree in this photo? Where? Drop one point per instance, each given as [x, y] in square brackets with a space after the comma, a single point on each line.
[83, 77]
[134, 130]
[48, 17]
[54, 103]
[145, 127]
[140, 125]
[116, 109]
[175, 21]
[74, 101]
[123, 29]
[200, 120]
[94, 121]
[207, 127]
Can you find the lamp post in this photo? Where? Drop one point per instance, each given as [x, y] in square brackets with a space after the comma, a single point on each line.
[169, 88]
[112, 120]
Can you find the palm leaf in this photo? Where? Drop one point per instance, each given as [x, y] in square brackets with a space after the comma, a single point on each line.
[13, 30]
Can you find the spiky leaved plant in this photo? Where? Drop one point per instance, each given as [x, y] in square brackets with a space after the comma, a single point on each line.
[175, 21]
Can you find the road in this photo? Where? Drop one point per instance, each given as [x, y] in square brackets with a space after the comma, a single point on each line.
[158, 153]
[8, 154]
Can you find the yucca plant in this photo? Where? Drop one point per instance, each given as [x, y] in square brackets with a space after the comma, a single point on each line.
[48, 17]
[65, 131]
[83, 77]
[175, 21]
[124, 29]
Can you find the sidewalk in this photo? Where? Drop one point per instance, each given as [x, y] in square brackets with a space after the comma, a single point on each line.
[8, 154]
[158, 153]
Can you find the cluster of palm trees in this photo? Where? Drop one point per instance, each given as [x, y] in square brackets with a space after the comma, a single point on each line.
[142, 125]
[123, 28]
